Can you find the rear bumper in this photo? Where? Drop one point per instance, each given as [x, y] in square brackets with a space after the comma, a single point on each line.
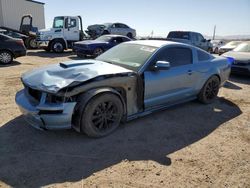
[52, 117]
[20, 53]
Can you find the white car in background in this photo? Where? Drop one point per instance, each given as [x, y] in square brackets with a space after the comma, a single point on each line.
[216, 45]
[229, 46]
[110, 28]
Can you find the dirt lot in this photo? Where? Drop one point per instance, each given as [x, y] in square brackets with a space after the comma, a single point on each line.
[191, 145]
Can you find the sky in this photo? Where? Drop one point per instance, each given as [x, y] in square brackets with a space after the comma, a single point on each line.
[231, 17]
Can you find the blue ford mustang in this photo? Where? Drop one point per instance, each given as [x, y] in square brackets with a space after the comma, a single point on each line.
[128, 81]
[99, 45]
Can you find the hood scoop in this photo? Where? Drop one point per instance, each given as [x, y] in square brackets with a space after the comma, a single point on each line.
[66, 65]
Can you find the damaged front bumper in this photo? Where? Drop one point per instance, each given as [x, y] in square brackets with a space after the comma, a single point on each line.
[44, 115]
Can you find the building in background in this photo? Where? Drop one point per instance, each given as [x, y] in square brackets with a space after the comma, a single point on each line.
[11, 12]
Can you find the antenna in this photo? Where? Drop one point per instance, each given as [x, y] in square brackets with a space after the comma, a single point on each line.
[214, 32]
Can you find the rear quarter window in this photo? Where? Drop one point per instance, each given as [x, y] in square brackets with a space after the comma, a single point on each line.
[203, 56]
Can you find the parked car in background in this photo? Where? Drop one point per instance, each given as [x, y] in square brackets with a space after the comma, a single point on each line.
[192, 38]
[98, 46]
[131, 80]
[10, 48]
[110, 28]
[14, 34]
[216, 45]
[241, 58]
[229, 46]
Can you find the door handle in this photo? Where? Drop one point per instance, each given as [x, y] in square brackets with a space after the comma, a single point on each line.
[190, 72]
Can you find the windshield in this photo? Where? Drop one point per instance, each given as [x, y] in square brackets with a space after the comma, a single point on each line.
[58, 22]
[131, 56]
[244, 47]
[104, 38]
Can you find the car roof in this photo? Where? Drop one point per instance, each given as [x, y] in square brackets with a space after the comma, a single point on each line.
[156, 43]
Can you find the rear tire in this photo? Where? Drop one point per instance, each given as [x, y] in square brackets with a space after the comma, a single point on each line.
[81, 55]
[129, 35]
[210, 90]
[6, 57]
[105, 32]
[102, 115]
[98, 51]
[31, 43]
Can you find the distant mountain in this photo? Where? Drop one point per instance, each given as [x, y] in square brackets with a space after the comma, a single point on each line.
[231, 37]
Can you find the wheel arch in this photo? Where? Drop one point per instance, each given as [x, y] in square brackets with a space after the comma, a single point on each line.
[85, 97]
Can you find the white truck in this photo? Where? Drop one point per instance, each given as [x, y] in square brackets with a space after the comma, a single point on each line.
[65, 31]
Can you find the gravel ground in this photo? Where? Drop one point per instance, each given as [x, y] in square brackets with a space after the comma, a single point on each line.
[190, 145]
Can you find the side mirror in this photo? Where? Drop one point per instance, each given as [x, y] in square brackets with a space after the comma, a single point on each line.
[162, 65]
[204, 40]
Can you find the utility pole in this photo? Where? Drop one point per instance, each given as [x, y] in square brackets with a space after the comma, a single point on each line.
[214, 32]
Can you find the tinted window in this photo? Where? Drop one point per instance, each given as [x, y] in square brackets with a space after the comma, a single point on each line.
[3, 37]
[203, 56]
[123, 26]
[118, 40]
[179, 35]
[125, 39]
[176, 56]
[200, 37]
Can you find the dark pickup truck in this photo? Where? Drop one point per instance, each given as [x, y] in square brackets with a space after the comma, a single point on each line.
[192, 38]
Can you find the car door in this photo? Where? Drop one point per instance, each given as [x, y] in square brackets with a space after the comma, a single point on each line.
[172, 85]
[115, 29]
[71, 32]
[202, 42]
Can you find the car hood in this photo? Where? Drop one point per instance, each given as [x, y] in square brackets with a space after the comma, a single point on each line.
[239, 56]
[91, 42]
[55, 77]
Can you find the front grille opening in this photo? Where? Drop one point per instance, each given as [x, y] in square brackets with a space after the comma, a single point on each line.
[50, 112]
[36, 94]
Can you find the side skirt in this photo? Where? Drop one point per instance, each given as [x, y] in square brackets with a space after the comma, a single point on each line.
[158, 108]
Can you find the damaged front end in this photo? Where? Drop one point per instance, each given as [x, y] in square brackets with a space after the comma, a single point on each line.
[45, 111]
[50, 95]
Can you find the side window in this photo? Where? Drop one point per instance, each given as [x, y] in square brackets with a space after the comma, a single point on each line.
[125, 39]
[118, 40]
[176, 56]
[200, 38]
[203, 56]
[118, 25]
[72, 23]
[123, 26]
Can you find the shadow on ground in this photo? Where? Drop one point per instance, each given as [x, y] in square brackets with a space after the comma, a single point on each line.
[14, 63]
[42, 53]
[33, 158]
[241, 79]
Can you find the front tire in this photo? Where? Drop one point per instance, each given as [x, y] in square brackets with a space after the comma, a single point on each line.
[210, 90]
[31, 43]
[6, 57]
[57, 46]
[102, 115]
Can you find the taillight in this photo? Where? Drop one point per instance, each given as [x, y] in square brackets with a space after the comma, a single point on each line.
[230, 60]
[20, 42]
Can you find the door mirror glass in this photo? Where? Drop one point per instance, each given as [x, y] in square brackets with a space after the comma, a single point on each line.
[162, 65]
